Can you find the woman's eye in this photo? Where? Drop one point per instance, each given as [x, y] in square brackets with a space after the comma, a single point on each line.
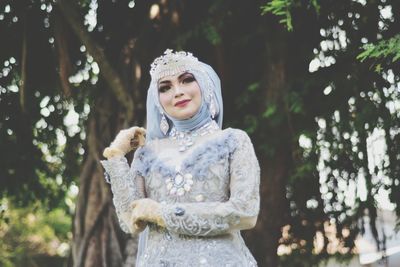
[164, 88]
[188, 79]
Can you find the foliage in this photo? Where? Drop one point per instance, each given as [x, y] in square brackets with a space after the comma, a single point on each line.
[384, 50]
[354, 112]
[34, 107]
[28, 232]
[282, 9]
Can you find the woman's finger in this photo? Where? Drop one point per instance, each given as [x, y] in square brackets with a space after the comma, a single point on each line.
[134, 204]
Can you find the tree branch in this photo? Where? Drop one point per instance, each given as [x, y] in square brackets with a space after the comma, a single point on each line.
[22, 82]
[107, 71]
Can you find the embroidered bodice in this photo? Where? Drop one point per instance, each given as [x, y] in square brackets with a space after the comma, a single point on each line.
[208, 194]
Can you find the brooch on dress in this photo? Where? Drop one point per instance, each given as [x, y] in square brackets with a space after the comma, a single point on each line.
[180, 184]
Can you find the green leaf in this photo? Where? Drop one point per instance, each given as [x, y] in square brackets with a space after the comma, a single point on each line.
[383, 50]
[271, 109]
[253, 87]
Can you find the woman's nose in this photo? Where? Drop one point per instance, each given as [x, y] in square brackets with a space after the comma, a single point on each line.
[178, 91]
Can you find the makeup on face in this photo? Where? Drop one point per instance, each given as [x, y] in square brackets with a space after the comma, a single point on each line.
[180, 95]
[167, 84]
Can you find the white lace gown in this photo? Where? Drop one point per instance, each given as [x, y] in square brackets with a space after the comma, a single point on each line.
[208, 194]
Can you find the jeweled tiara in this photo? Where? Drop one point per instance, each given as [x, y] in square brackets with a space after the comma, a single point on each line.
[171, 63]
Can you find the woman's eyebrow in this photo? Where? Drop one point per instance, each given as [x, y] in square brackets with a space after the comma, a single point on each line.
[179, 77]
[165, 81]
[183, 74]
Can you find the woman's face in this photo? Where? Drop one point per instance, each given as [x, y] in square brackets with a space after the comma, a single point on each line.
[180, 95]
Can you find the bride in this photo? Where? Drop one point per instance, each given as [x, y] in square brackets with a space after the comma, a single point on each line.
[191, 186]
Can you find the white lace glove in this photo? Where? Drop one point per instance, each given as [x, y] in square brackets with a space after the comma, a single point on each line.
[125, 141]
[146, 210]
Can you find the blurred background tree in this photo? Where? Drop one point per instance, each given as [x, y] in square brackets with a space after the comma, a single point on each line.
[33, 236]
[315, 84]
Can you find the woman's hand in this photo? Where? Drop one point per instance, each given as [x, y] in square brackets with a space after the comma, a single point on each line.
[125, 141]
[139, 227]
[146, 210]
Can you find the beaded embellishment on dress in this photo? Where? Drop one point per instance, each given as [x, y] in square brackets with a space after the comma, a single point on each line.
[187, 139]
[180, 184]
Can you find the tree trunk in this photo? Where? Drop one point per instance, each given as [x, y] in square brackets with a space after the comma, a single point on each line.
[275, 168]
[98, 240]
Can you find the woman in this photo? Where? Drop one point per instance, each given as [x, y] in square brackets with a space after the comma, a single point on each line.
[192, 184]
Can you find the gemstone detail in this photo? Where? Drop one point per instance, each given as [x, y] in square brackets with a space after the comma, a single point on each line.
[180, 191]
[164, 126]
[180, 184]
[187, 139]
[199, 198]
[178, 180]
[179, 211]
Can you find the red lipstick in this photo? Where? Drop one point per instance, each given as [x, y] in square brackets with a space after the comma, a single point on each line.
[182, 103]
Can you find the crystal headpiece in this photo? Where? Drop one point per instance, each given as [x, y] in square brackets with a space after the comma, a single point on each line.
[172, 63]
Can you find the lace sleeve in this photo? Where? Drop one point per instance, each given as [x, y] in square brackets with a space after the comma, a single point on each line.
[214, 218]
[127, 185]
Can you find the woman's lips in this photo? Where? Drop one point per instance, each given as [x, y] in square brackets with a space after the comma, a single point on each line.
[182, 103]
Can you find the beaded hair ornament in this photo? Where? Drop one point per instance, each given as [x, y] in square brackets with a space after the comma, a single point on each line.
[173, 63]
